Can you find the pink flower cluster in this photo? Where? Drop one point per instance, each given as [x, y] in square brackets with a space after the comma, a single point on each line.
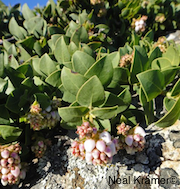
[132, 139]
[10, 165]
[139, 24]
[39, 147]
[94, 146]
[41, 119]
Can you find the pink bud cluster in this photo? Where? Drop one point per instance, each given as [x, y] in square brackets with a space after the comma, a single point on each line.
[10, 165]
[86, 130]
[39, 148]
[94, 146]
[139, 24]
[41, 119]
[126, 60]
[132, 139]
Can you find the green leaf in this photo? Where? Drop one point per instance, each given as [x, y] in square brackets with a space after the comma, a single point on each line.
[68, 97]
[4, 115]
[2, 84]
[81, 62]
[140, 63]
[13, 101]
[72, 113]
[1, 64]
[161, 63]
[176, 89]
[26, 69]
[120, 76]
[54, 78]
[147, 106]
[171, 117]
[172, 55]
[122, 100]
[43, 100]
[156, 53]
[91, 93]
[168, 103]
[26, 11]
[72, 81]
[28, 43]
[61, 52]
[152, 83]
[15, 76]
[35, 64]
[115, 59]
[85, 48]
[70, 125]
[102, 69]
[13, 63]
[17, 31]
[80, 35]
[24, 55]
[94, 45]
[36, 25]
[102, 124]
[169, 74]
[46, 65]
[105, 113]
[72, 48]
[9, 133]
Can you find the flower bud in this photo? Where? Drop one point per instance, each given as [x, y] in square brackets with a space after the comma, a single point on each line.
[14, 155]
[5, 154]
[100, 145]
[4, 183]
[10, 160]
[5, 177]
[105, 136]
[140, 130]
[81, 147]
[10, 176]
[95, 153]
[3, 162]
[41, 144]
[4, 170]
[86, 124]
[113, 148]
[137, 137]
[16, 171]
[74, 144]
[129, 140]
[108, 151]
[89, 145]
[102, 156]
[88, 157]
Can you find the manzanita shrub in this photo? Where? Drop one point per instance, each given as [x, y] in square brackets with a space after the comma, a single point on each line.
[101, 67]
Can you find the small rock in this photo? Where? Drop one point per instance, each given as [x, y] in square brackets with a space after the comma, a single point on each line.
[176, 144]
[168, 178]
[170, 152]
[142, 158]
[174, 135]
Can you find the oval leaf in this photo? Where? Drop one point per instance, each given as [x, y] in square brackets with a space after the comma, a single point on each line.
[9, 133]
[102, 69]
[91, 93]
[72, 81]
[176, 89]
[171, 117]
[73, 113]
[105, 113]
[81, 62]
[152, 83]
